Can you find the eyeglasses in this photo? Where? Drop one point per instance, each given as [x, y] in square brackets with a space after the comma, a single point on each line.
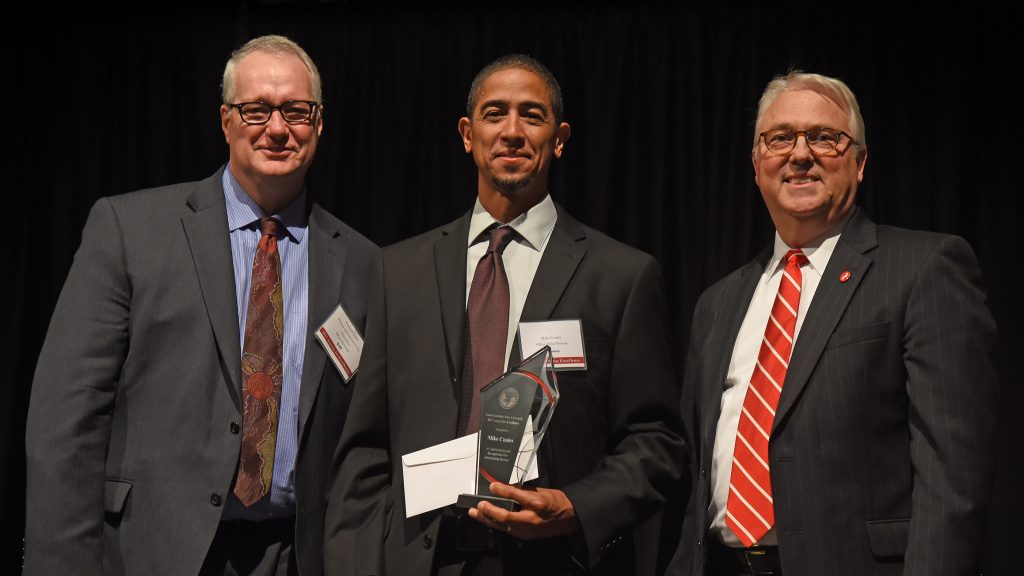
[821, 141]
[292, 111]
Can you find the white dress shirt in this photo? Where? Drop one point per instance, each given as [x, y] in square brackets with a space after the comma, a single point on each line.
[521, 256]
[741, 368]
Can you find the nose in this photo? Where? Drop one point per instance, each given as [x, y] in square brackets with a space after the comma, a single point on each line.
[512, 129]
[801, 153]
[276, 126]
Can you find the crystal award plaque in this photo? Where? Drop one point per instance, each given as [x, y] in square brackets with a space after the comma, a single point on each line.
[515, 410]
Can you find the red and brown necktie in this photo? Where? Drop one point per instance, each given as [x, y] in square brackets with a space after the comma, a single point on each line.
[261, 369]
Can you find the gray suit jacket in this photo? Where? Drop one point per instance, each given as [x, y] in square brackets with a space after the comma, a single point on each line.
[131, 445]
[613, 445]
[882, 449]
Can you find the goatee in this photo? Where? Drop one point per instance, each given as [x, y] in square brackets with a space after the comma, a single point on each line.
[509, 186]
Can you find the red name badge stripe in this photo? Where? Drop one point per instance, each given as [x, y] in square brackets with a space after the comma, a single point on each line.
[344, 365]
[569, 360]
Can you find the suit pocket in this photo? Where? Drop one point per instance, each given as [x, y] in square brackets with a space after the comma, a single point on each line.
[888, 538]
[867, 333]
[115, 495]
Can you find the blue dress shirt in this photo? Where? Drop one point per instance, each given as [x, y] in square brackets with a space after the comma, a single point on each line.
[243, 228]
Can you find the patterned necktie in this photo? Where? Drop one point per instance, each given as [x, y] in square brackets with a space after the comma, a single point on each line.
[486, 328]
[749, 511]
[261, 369]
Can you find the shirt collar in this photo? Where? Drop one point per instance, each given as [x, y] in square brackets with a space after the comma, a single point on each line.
[533, 226]
[817, 251]
[243, 211]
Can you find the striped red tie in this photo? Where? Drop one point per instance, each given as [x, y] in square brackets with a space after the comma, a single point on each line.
[749, 512]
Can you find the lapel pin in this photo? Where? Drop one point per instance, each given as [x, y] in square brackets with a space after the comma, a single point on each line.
[844, 276]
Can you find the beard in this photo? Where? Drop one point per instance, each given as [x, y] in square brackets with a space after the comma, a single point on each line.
[510, 185]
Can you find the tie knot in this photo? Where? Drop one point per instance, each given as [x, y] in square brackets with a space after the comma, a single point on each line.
[271, 227]
[795, 257]
[500, 237]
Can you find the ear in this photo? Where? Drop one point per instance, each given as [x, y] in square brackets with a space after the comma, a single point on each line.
[753, 160]
[862, 160]
[562, 134]
[320, 120]
[466, 131]
[225, 119]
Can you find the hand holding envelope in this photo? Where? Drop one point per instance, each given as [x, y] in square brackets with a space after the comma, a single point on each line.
[435, 477]
[515, 411]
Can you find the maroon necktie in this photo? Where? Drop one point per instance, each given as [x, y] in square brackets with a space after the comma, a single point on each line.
[750, 512]
[487, 328]
[261, 369]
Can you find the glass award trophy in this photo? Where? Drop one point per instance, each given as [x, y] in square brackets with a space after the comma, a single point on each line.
[515, 410]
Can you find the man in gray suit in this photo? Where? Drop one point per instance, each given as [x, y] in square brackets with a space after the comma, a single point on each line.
[182, 419]
[613, 448]
[839, 387]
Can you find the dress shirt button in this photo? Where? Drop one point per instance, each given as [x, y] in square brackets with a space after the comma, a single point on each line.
[427, 541]
[215, 499]
[235, 428]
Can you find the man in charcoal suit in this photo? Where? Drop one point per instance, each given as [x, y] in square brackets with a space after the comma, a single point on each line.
[613, 448]
[182, 419]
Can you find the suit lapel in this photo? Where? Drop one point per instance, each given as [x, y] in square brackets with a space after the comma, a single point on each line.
[733, 305]
[327, 258]
[830, 302]
[450, 273]
[562, 256]
[206, 231]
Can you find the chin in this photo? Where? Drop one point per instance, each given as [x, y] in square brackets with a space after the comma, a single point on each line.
[511, 186]
[281, 169]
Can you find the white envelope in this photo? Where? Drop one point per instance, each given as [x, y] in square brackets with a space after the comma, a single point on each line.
[435, 476]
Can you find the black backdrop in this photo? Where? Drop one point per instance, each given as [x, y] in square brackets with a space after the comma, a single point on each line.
[660, 98]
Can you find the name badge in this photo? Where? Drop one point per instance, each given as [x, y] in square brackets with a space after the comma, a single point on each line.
[565, 337]
[342, 341]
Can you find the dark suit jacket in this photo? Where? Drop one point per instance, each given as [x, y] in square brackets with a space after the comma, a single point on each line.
[612, 446]
[882, 448]
[130, 444]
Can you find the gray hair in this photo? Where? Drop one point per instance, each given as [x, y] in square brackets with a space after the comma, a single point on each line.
[832, 88]
[272, 44]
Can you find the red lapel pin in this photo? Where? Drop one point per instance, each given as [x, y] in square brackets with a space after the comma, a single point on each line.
[844, 276]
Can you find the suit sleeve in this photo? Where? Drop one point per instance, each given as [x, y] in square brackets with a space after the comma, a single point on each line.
[647, 453]
[361, 475]
[951, 383]
[71, 403]
[687, 549]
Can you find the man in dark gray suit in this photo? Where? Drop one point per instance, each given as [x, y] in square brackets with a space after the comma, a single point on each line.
[839, 387]
[613, 448]
[162, 439]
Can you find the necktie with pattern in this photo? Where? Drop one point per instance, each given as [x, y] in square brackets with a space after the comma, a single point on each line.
[261, 369]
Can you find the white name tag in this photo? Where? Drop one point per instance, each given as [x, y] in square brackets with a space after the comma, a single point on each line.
[342, 341]
[565, 337]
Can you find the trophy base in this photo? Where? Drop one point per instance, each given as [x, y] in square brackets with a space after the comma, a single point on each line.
[467, 501]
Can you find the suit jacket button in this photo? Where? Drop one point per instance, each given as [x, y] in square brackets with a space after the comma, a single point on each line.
[427, 541]
[235, 428]
[215, 499]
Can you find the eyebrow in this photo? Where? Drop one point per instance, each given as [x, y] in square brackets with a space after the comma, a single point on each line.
[525, 104]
